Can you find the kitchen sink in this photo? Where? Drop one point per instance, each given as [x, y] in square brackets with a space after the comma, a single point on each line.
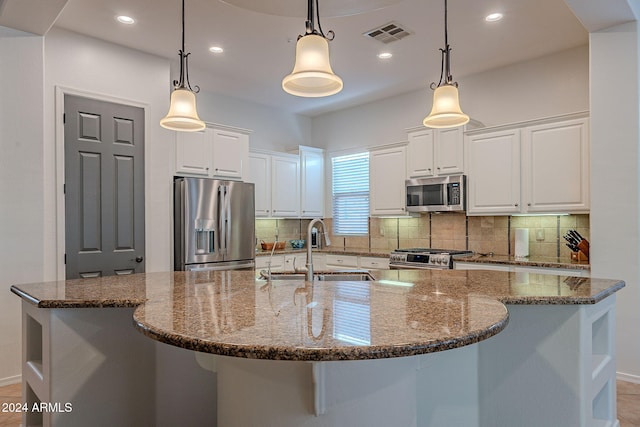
[329, 276]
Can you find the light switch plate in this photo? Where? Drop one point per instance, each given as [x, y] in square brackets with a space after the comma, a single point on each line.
[540, 234]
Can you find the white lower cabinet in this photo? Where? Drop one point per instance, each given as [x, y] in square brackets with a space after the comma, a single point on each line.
[277, 262]
[341, 262]
[296, 262]
[374, 263]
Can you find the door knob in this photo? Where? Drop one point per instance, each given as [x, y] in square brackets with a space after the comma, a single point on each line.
[139, 259]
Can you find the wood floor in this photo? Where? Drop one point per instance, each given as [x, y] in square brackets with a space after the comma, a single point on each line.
[628, 404]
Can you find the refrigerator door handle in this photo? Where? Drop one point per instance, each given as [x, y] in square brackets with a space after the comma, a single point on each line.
[222, 211]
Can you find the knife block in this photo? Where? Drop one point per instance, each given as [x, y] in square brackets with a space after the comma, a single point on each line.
[579, 256]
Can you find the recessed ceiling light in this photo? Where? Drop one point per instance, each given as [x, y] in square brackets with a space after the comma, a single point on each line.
[123, 19]
[385, 55]
[216, 49]
[493, 17]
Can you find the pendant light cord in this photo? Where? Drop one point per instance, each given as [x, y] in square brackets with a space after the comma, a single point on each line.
[184, 83]
[445, 62]
[310, 23]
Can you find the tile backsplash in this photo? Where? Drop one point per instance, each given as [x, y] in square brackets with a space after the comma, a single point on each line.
[482, 234]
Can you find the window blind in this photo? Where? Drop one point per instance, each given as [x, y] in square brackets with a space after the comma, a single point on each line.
[350, 194]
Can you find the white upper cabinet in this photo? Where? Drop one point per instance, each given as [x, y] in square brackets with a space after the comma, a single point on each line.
[420, 154]
[556, 166]
[387, 172]
[534, 167]
[285, 185]
[230, 153]
[311, 182]
[193, 152]
[434, 152]
[260, 174]
[493, 173]
[449, 151]
[216, 152]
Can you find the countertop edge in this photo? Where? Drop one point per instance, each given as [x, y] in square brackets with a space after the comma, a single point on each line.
[321, 354]
[476, 259]
[564, 300]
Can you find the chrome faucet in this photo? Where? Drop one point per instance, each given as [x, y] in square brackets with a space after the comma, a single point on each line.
[309, 256]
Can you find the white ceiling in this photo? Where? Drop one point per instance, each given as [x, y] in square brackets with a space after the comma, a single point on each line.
[260, 48]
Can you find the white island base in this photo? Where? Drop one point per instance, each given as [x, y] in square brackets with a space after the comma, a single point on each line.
[554, 365]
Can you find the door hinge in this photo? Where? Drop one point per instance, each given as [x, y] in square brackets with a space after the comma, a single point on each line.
[65, 259]
[64, 188]
[64, 118]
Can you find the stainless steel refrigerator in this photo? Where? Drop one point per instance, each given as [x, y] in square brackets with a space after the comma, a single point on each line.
[214, 224]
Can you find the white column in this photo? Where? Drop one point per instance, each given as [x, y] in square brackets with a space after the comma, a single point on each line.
[615, 173]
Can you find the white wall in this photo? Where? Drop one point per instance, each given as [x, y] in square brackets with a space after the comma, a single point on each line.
[615, 186]
[21, 187]
[548, 86]
[272, 128]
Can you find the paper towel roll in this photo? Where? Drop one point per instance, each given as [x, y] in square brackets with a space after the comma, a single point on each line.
[522, 242]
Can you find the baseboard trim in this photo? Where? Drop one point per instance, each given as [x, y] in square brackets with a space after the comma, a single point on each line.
[628, 377]
[10, 380]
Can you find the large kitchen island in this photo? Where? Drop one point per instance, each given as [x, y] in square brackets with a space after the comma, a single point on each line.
[409, 348]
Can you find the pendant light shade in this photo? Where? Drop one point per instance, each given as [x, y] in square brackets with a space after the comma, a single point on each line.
[446, 111]
[312, 75]
[182, 115]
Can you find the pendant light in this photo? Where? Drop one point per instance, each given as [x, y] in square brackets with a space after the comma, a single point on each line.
[312, 75]
[446, 111]
[182, 115]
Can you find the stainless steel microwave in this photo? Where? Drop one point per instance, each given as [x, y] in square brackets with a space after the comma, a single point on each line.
[437, 194]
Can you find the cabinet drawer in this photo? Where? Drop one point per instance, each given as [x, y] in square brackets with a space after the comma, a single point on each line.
[374, 263]
[342, 261]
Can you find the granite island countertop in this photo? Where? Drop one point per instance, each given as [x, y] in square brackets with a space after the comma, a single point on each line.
[402, 313]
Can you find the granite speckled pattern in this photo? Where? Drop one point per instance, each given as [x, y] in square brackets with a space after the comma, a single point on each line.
[402, 313]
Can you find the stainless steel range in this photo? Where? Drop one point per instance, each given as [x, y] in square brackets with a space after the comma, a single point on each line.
[422, 258]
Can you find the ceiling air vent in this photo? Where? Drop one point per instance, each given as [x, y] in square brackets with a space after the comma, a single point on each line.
[388, 33]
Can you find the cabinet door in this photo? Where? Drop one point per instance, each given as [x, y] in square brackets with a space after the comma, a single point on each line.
[449, 151]
[230, 151]
[420, 154]
[193, 152]
[295, 262]
[260, 174]
[312, 183]
[493, 181]
[555, 163]
[277, 262]
[285, 186]
[387, 171]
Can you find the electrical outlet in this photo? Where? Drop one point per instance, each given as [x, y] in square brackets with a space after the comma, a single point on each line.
[540, 234]
[382, 231]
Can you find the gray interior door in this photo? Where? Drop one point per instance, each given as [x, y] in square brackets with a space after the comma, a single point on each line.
[104, 188]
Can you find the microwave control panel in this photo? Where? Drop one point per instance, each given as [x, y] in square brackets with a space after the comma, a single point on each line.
[454, 194]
